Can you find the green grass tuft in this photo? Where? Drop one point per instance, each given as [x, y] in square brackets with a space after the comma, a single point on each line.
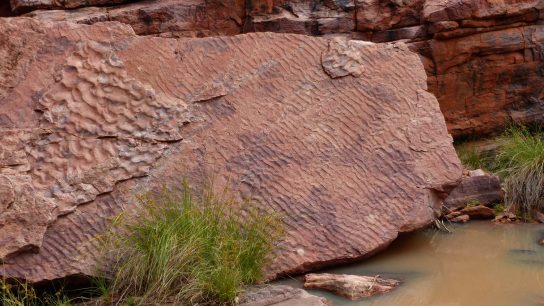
[520, 162]
[471, 158]
[191, 250]
[498, 208]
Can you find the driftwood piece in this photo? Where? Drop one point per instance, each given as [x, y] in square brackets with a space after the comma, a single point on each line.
[353, 287]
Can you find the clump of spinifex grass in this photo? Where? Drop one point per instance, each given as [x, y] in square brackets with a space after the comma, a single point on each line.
[191, 250]
[520, 162]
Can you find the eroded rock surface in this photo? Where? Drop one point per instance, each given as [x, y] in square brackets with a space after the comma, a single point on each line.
[93, 115]
[484, 59]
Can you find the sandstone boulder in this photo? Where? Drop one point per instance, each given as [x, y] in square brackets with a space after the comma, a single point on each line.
[460, 219]
[280, 295]
[93, 115]
[478, 212]
[477, 187]
[353, 287]
[507, 217]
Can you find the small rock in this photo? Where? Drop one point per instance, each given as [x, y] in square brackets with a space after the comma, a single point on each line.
[478, 212]
[453, 214]
[498, 218]
[280, 295]
[478, 187]
[539, 217]
[477, 172]
[541, 241]
[353, 287]
[506, 217]
[461, 219]
[511, 215]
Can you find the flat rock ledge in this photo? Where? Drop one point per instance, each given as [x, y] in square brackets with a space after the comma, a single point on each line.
[280, 295]
[353, 287]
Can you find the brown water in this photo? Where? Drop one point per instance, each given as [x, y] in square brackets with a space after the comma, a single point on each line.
[478, 264]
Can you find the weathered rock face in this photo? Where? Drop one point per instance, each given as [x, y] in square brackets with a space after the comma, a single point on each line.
[171, 18]
[476, 187]
[339, 137]
[484, 58]
[28, 5]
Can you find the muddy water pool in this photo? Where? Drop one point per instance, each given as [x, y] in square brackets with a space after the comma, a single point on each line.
[478, 264]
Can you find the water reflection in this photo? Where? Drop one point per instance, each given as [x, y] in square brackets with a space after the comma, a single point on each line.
[479, 264]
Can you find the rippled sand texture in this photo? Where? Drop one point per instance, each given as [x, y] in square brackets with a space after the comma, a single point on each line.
[339, 137]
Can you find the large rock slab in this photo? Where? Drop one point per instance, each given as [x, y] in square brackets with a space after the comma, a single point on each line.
[340, 138]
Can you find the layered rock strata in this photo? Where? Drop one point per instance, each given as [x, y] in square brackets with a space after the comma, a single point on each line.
[484, 59]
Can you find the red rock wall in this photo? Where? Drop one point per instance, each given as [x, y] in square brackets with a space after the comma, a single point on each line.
[483, 58]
